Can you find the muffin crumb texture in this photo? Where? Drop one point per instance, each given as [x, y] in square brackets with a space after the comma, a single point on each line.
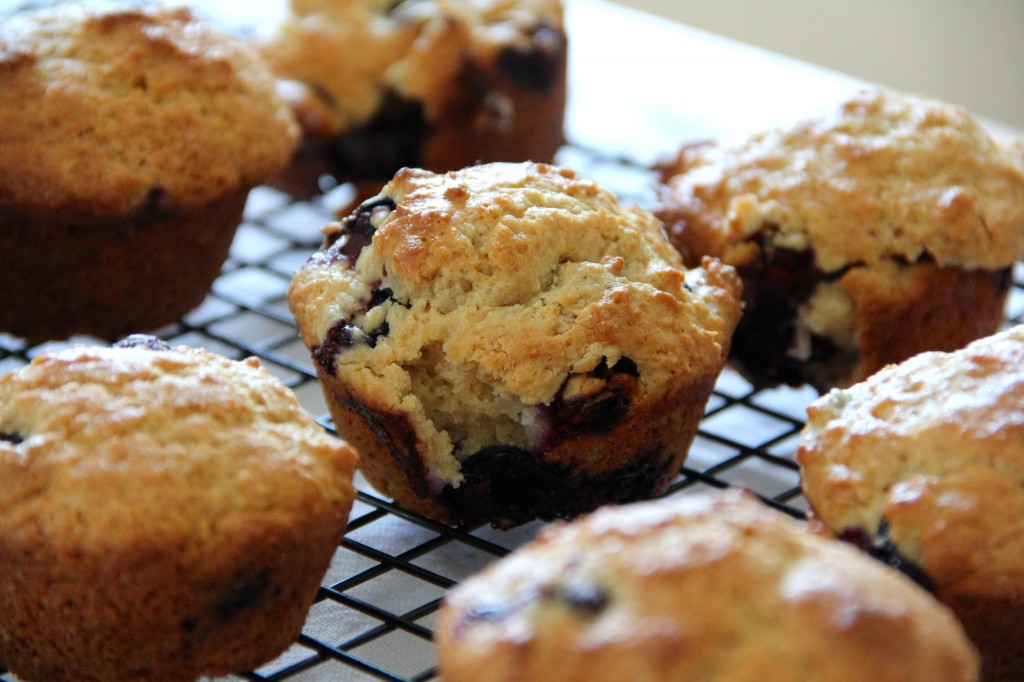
[503, 311]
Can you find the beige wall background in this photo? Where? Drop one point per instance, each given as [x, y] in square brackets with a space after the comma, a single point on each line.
[970, 52]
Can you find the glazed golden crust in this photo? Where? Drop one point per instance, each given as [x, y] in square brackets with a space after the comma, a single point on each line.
[705, 587]
[101, 107]
[886, 176]
[174, 508]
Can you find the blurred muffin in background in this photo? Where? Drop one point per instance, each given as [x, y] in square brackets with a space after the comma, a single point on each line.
[865, 236]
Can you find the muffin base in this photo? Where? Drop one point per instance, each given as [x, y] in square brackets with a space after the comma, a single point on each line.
[160, 612]
[992, 623]
[637, 459]
[110, 276]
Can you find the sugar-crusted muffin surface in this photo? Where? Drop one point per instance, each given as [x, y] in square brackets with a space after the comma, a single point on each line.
[854, 231]
[510, 305]
[88, 420]
[923, 465]
[934, 448]
[709, 587]
[174, 508]
[107, 110]
[884, 177]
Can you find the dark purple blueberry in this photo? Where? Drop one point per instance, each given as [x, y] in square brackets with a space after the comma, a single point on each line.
[507, 486]
[247, 593]
[775, 286]
[1003, 279]
[143, 341]
[357, 230]
[537, 64]
[154, 206]
[585, 599]
[380, 332]
[881, 547]
[397, 434]
[489, 614]
[338, 338]
[9, 437]
[379, 296]
[343, 335]
[389, 141]
[595, 412]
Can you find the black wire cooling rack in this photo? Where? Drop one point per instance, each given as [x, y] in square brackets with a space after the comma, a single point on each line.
[373, 616]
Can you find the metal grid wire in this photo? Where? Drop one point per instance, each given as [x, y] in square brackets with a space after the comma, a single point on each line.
[373, 615]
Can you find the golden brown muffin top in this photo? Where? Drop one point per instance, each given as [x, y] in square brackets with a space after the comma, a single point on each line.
[355, 52]
[485, 290]
[136, 447]
[107, 111]
[935, 447]
[703, 587]
[884, 176]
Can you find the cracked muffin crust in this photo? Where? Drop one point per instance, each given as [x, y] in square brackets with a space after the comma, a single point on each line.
[164, 513]
[130, 139]
[922, 465]
[507, 342]
[702, 587]
[438, 84]
[863, 237]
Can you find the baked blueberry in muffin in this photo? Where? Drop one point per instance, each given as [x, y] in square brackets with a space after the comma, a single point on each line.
[883, 229]
[165, 513]
[714, 586]
[379, 85]
[507, 342]
[922, 465]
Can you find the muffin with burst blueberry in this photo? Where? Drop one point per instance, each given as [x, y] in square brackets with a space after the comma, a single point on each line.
[508, 342]
[864, 236]
[922, 465]
[382, 84]
[705, 587]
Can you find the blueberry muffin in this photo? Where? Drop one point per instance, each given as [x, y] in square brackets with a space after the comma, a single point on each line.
[508, 342]
[923, 466]
[704, 587]
[131, 138]
[164, 513]
[383, 84]
[865, 236]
